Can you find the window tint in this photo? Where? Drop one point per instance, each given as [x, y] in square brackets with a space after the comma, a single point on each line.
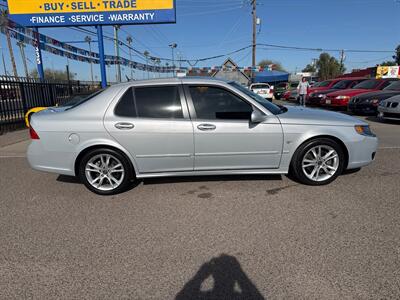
[158, 102]
[386, 84]
[368, 84]
[212, 103]
[126, 106]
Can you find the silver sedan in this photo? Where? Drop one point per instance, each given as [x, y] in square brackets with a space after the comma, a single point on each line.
[190, 126]
[389, 109]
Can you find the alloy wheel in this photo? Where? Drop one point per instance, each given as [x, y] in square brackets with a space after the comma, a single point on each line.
[320, 163]
[104, 172]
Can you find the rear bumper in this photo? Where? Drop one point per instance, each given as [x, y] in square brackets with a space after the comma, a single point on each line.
[50, 161]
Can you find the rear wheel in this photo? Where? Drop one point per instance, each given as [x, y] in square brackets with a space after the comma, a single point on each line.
[318, 162]
[105, 171]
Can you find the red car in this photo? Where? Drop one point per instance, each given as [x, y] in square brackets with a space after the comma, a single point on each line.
[340, 99]
[323, 85]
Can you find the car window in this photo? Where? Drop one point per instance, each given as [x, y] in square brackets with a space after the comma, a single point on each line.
[368, 84]
[387, 85]
[84, 99]
[341, 85]
[151, 102]
[158, 102]
[324, 83]
[394, 86]
[126, 105]
[260, 86]
[214, 103]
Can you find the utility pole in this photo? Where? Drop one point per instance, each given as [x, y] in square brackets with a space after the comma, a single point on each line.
[116, 45]
[21, 46]
[173, 46]
[129, 40]
[342, 58]
[146, 54]
[88, 40]
[254, 12]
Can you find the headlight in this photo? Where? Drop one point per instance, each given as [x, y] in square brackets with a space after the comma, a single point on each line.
[382, 104]
[364, 130]
[322, 96]
[342, 97]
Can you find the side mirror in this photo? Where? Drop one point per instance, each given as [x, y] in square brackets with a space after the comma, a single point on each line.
[258, 117]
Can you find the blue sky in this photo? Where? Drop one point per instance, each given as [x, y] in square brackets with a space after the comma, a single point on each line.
[206, 28]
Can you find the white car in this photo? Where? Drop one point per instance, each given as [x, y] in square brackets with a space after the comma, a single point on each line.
[390, 108]
[263, 89]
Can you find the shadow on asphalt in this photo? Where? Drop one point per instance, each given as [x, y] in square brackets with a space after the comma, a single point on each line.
[167, 180]
[227, 281]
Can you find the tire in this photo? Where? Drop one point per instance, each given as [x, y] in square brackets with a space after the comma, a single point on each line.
[310, 167]
[105, 171]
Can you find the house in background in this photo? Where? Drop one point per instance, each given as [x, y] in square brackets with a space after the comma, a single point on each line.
[231, 71]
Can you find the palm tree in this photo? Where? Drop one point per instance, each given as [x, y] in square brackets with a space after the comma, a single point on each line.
[4, 26]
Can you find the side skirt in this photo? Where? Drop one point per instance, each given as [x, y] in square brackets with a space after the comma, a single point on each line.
[213, 173]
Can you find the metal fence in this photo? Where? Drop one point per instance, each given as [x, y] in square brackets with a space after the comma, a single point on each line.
[18, 95]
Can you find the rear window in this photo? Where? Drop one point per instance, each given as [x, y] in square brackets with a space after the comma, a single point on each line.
[260, 86]
[83, 100]
[368, 84]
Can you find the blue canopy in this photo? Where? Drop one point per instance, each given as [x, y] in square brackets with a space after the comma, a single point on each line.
[271, 76]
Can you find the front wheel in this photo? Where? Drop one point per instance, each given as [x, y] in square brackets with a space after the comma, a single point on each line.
[105, 171]
[318, 162]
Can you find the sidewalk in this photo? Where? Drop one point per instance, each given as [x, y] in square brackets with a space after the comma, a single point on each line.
[14, 144]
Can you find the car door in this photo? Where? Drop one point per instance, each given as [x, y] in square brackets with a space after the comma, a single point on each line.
[152, 123]
[224, 137]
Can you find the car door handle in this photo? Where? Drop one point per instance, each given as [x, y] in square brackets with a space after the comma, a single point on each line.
[206, 127]
[124, 126]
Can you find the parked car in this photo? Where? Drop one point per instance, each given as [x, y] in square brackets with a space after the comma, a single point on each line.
[191, 126]
[281, 89]
[340, 99]
[263, 89]
[291, 95]
[69, 102]
[323, 85]
[315, 98]
[368, 103]
[389, 109]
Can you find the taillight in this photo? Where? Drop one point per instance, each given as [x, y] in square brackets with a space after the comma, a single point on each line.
[33, 134]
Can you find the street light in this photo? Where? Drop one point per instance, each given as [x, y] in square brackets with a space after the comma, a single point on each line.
[88, 40]
[173, 46]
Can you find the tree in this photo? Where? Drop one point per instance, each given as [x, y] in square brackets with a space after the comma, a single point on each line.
[396, 57]
[328, 67]
[388, 63]
[310, 69]
[53, 74]
[276, 65]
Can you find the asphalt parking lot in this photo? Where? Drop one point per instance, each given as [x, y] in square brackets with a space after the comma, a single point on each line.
[239, 237]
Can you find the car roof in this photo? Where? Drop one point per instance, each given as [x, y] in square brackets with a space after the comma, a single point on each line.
[161, 81]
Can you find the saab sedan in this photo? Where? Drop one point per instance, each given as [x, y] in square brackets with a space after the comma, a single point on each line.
[190, 126]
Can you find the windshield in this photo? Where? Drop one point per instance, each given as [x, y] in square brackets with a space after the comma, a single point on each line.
[341, 85]
[322, 84]
[395, 86]
[82, 100]
[268, 105]
[282, 85]
[368, 84]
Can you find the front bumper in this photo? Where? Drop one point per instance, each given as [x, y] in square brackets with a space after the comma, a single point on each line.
[314, 101]
[366, 108]
[362, 152]
[389, 113]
